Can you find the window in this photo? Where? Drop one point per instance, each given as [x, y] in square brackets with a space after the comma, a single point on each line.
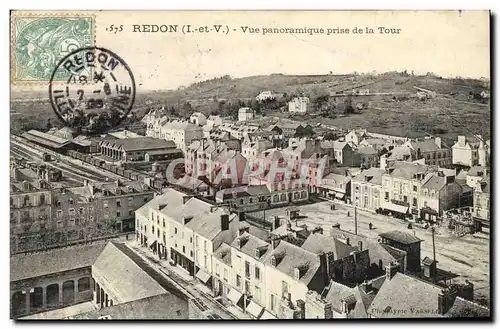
[241, 201]
[272, 302]
[284, 288]
[238, 280]
[257, 273]
[80, 211]
[251, 200]
[247, 269]
[71, 212]
[163, 222]
[71, 201]
[217, 269]
[386, 196]
[405, 198]
[130, 212]
[145, 199]
[153, 229]
[247, 287]
[257, 293]
[59, 214]
[414, 202]
[118, 203]
[42, 199]
[118, 214]
[205, 245]
[91, 209]
[225, 274]
[414, 188]
[184, 249]
[205, 261]
[175, 230]
[191, 253]
[105, 204]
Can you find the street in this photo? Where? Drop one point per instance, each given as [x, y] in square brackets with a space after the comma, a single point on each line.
[467, 256]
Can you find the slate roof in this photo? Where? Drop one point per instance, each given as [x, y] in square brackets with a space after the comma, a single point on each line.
[170, 198]
[242, 191]
[124, 277]
[293, 256]
[367, 150]
[223, 253]
[428, 145]
[372, 175]
[404, 296]
[140, 143]
[205, 221]
[318, 243]
[402, 237]
[54, 261]
[463, 308]
[247, 244]
[376, 250]
[476, 171]
[408, 170]
[159, 307]
[45, 139]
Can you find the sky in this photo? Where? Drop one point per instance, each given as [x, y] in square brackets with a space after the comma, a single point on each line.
[448, 43]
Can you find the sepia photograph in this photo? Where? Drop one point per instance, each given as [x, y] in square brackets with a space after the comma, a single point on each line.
[250, 165]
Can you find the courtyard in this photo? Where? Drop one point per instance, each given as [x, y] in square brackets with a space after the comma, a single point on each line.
[467, 256]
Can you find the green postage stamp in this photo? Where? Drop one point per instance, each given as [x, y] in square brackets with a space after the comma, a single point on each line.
[38, 42]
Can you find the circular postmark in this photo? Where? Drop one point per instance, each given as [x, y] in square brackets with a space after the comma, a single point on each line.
[92, 90]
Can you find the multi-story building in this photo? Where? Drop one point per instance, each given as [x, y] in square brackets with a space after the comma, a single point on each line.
[245, 114]
[342, 152]
[401, 187]
[368, 156]
[439, 192]
[366, 189]
[481, 208]
[198, 119]
[355, 136]
[432, 150]
[298, 105]
[251, 149]
[265, 95]
[182, 133]
[186, 231]
[465, 151]
[336, 186]
[476, 174]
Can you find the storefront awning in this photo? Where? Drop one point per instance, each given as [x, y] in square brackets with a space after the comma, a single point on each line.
[396, 208]
[234, 296]
[254, 309]
[267, 316]
[339, 195]
[203, 276]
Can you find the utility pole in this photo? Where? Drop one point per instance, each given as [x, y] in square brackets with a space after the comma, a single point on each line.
[434, 253]
[355, 220]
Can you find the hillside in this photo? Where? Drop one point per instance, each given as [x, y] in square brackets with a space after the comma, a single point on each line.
[449, 113]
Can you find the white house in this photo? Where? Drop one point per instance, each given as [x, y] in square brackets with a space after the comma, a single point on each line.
[245, 114]
[298, 105]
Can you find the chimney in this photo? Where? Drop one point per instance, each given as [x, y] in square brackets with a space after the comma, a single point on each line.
[85, 182]
[296, 273]
[461, 140]
[336, 226]
[185, 198]
[275, 243]
[360, 245]
[446, 298]
[276, 222]
[348, 241]
[438, 142]
[224, 222]
[391, 270]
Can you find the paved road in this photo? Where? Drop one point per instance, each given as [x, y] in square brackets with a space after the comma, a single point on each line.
[172, 280]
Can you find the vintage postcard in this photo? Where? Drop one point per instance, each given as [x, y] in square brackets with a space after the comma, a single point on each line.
[250, 165]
